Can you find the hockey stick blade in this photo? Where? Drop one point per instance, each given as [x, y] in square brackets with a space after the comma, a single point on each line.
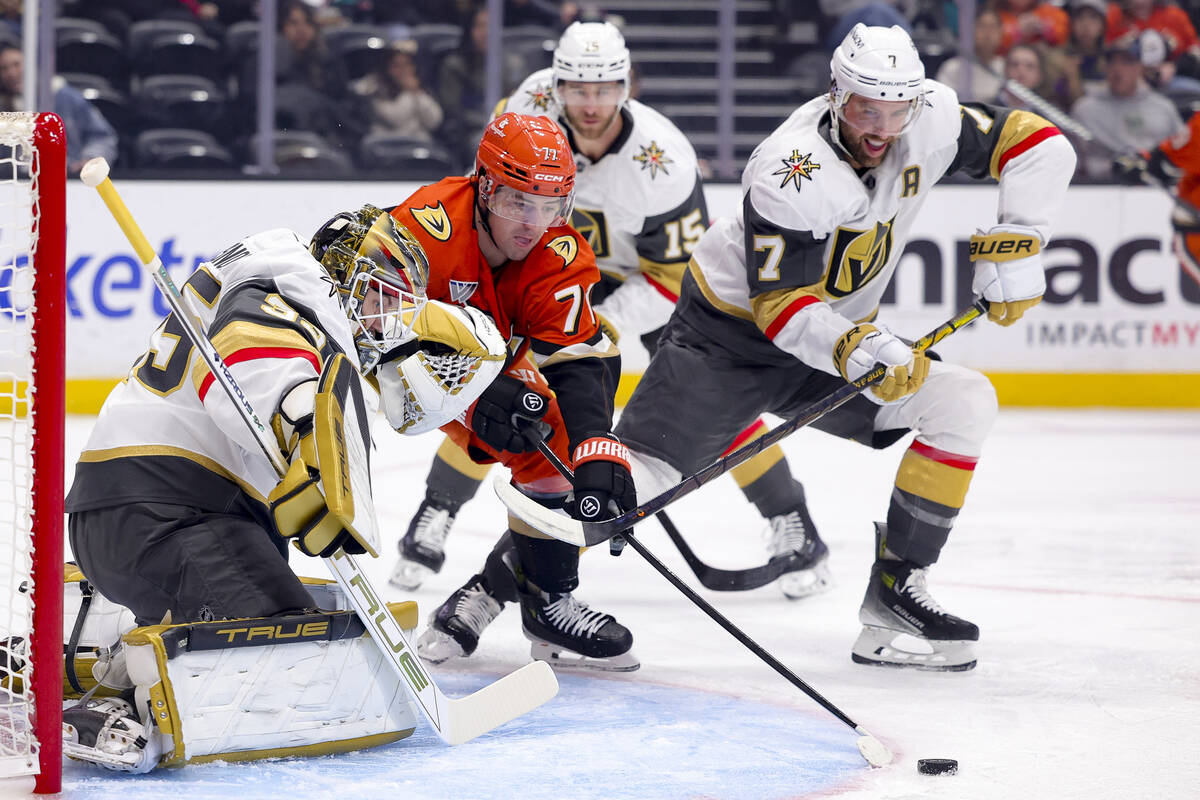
[590, 534]
[729, 580]
[455, 720]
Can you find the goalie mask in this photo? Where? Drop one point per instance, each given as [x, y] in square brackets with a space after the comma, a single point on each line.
[380, 271]
[877, 64]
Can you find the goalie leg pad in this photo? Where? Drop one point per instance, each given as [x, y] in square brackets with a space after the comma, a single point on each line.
[268, 687]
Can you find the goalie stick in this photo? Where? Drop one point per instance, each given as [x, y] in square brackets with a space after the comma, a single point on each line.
[590, 534]
[874, 751]
[456, 720]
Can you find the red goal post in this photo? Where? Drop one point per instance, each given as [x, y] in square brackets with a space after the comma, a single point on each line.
[32, 406]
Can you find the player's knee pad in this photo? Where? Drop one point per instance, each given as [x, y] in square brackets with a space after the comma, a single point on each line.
[652, 476]
[953, 411]
[240, 690]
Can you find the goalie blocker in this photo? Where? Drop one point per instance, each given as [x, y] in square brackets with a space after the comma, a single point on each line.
[232, 690]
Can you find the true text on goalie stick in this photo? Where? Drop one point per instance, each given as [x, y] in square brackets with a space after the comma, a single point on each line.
[590, 534]
[456, 720]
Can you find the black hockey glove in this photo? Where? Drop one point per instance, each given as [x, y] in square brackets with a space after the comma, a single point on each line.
[508, 416]
[603, 485]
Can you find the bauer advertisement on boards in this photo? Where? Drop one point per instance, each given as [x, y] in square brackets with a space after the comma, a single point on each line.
[1116, 302]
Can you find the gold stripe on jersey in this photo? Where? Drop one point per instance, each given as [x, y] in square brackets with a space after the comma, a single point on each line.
[243, 335]
[1018, 126]
[575, 352]
[933, 480]
[769, 305]
[669, 275]
[133, 451]
[711, 296]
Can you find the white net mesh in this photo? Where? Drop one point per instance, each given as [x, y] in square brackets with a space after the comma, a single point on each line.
[18, 182]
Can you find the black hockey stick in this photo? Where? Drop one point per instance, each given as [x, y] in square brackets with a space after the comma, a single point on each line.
[873, 750]
[589, 534]
[729, 580]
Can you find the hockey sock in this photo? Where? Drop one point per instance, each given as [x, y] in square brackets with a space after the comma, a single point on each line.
[453, 478]
[774, 492]
[931, 486]
[549, 564]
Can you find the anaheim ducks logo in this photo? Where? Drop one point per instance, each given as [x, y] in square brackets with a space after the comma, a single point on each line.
[857, 257]
[434, 220]
[539, 97]
[795, 167]
[566, 247]
[653, 158]
[593, 227]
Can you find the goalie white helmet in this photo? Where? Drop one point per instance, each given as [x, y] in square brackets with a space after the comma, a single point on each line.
[591, 52]
[878, 63]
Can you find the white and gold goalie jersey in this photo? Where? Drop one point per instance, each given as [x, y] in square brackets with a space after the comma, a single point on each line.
[816, 243]
[640, 206]
[168, 433]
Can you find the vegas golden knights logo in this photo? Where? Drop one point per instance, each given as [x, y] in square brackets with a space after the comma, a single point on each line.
[857, 257]
[566, 247]
[434, 220]
[592, 226]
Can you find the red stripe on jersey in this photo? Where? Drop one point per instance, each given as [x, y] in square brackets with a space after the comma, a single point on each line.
[1027, 143]
[944, 457]
[777, 325]
[664, 291]
[751, 432]
[252, 353]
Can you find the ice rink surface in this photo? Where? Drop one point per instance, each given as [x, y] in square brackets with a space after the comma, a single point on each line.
[1077, 554]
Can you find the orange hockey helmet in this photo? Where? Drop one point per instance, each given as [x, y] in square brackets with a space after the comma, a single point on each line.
[522, 155]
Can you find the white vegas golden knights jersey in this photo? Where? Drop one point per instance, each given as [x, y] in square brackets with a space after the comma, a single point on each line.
[817, 243]
[640, 206]
[168, 433]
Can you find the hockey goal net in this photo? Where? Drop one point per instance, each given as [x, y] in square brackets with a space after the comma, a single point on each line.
[32, 402]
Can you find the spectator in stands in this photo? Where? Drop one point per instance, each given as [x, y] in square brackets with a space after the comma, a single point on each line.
[462, 84]
[556, 15]
[310, 82]
[1085, 48]
[1041, 69]
[1127, 114]
[984, 69]
[88, 134]
[1135, 16]
[10, 20]
[399, 103]
[1029, 21]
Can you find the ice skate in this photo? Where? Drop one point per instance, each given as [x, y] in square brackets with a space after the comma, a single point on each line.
[794, 536]
[106, 731]
[903, 626]
[454, 629]
[567, 634]
[422, 549]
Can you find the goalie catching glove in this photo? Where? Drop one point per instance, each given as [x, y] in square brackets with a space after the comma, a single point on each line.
[508, 416]
[324, 501]
[1008, 271]
[861, 347]
[603, 486]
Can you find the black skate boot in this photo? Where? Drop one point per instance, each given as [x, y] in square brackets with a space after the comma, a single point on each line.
[568, 635]
[455, 627]
[903, 626]
[422, 550]
[793, 536]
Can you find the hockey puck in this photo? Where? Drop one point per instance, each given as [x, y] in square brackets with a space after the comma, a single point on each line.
[937, 766]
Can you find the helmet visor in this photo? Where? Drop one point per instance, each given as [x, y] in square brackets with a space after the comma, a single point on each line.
[539, 211]
[883, 118]
[384, 309]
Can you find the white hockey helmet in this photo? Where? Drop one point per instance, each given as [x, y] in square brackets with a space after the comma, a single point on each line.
[879, 64]
[592, 52]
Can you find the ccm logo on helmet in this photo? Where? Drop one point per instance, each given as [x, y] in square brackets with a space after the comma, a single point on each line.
[541, 176]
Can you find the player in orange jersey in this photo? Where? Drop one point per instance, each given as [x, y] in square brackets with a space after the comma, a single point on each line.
[1174, 159]
[499, 241]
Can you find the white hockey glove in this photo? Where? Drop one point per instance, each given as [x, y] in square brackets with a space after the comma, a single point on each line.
[1008, 271]
[459, 353]
[861, 347]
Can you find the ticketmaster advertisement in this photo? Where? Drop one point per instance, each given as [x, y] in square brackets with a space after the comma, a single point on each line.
[1117, 305]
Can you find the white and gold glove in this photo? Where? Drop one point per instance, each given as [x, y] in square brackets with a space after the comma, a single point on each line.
[1008, 271]
[863, 346]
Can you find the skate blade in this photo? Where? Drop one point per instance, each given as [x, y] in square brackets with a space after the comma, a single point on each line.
[435, 647]
[806, 582]
[408, 575]
[560, 658]
[884, 647]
